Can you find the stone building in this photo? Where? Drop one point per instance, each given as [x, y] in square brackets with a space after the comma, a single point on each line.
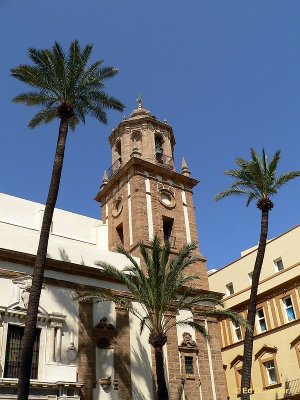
[96, 351]
[276, 351]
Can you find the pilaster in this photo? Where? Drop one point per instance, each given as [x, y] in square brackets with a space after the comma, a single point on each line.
[122, 362]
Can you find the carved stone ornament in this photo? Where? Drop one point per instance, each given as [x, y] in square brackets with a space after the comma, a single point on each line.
[24, 285]
[105, 383]
[103, 324]
[187, 340]
[71, 352]
[117, 206]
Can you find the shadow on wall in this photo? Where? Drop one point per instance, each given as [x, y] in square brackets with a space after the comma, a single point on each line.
[142, 368]
[64, 256]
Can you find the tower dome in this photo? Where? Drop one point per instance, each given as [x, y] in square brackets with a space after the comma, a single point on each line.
[140, 111]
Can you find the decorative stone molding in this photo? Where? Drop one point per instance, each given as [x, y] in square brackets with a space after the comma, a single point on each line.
[105, 334]
[188, 342]
[105, 383]
[24, 286]
[117, 206]
[71, 352]
[188, 351]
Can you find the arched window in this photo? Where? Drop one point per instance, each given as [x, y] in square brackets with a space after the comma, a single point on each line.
[158, 146]
[118, 149]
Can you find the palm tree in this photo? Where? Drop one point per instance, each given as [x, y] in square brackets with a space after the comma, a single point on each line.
[256, 179]
[67, 88]
[162, 291]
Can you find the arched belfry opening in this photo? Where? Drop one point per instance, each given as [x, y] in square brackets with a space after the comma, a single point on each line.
[118, 150]
[159, 147]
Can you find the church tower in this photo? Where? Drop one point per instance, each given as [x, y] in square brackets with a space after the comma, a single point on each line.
[142, 194]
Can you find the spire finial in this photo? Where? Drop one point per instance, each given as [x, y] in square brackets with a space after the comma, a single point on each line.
[184, 168]
[139, 100]
[104, 179]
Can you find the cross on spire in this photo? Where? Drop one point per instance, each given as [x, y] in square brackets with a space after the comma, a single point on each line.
[139, 101]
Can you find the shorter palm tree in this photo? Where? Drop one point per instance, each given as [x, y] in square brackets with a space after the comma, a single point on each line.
[161, 291]
[256, 180]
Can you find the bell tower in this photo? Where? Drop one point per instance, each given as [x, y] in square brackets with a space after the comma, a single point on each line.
[142, 194]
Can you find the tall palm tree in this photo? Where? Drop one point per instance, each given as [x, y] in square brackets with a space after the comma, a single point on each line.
[68, 88]
[161, 291]
[256, 179]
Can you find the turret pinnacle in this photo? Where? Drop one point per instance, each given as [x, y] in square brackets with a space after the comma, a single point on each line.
[185, 169]
[104, 179]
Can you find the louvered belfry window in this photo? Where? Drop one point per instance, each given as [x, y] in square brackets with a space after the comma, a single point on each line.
[13, 348]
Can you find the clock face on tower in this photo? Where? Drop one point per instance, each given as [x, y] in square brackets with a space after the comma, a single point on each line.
[166, 197]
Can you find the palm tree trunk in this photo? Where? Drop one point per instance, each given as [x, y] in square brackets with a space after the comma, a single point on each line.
[162, 391]
[248, 342]
[40, 261]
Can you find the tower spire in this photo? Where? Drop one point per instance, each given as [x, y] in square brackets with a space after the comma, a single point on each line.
[184, 168]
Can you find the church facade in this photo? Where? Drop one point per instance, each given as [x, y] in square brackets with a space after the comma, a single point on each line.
[95, 351]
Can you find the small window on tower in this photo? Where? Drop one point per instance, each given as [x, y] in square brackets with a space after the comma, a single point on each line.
[118, 148]
[120, 235]
[229, 289]
[189, 366]
[278, 264]
[167, 229]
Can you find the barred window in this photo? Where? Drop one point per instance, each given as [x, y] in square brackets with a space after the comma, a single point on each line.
[189, 366]
[13, 347]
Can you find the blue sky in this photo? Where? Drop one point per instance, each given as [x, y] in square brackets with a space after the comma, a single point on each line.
[226, 75]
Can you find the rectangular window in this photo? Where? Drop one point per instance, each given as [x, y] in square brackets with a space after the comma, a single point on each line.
[271, 372]
[120, 235]
[13, 348]
[261, 320]
[250, 277]
[237, 331]
[189, 366]
[229, 289]
[168, 230]
[289, 309]
[278, 265]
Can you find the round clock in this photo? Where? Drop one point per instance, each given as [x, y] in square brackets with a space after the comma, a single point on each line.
[166, 198]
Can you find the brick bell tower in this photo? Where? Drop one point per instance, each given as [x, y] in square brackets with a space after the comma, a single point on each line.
[142, 194]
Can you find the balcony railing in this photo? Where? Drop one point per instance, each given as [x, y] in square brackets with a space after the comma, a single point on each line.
[164, 161]
[292, 387]
[115, 167]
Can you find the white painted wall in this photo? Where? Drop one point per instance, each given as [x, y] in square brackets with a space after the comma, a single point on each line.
[74, 238]
[141, 362]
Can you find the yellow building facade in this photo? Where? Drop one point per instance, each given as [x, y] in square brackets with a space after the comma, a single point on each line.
[276, 347]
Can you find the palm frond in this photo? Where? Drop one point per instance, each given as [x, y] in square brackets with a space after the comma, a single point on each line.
[66, 78]
[256, 179]
[227, 314]
[45, 116]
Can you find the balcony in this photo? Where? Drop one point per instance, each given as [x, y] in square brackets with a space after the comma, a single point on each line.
[164, 161]
[114, 168]
[292, 387]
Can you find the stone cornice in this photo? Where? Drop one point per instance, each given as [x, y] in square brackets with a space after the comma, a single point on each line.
[151, 167]
[72, 269]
